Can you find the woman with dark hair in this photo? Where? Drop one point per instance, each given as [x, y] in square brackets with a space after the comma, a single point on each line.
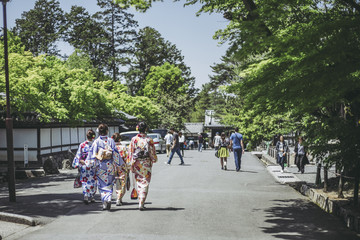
[122, 171]
[223, 150]
[106, 158]
[87, 173]
[281, 150]
[300, 155]
[142, 155]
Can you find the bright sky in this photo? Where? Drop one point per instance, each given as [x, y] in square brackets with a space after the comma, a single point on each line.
[177, 24]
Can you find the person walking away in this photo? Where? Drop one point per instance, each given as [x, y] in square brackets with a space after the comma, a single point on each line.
[191, 144]
[87, 174]
[301, 155]
[122, 171]
[223, 150]
[175, 148]
[182, 143]
[106, 158]
[281, 150]
[200, 142]
[142, 155]
[237, 145]
[216, 141]
[168, 140]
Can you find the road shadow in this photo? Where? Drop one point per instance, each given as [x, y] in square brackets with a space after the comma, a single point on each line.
[300, 219]
[245, 171]
[147, 209]
[47, 206]
[41, 182]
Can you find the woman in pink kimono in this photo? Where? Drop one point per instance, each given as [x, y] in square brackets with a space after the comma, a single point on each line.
[87, 173]
[142, 155]
[123, 171]
[106, 158]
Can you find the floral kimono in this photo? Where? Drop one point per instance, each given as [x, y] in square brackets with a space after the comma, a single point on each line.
[122, 172]
[87, 173]
[105, 165]
[142, 154]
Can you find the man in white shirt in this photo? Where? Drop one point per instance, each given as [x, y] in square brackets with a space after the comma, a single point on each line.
[217, 140]
[169, 140]
[182, 142]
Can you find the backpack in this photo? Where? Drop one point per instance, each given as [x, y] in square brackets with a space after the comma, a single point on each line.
[142, 149]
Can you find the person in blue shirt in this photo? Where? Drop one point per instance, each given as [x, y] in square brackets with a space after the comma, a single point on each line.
[237, 145]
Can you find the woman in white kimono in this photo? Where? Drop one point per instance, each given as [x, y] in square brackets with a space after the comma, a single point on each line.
[106, 158]
[87, 173]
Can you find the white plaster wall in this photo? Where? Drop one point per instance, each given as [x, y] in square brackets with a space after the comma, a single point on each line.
[45, 137]
[56, 136]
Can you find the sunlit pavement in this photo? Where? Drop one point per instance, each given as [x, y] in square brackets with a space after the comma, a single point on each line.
[196, 201]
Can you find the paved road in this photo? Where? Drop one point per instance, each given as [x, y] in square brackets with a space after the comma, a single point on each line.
[195, 201]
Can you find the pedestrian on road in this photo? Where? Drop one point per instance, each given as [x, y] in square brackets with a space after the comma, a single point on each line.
[200, 142]
[122, 171]
[87, 174]
[106, 158]
[223, 150]
[142, 155]
[168, 139]
[182, 143]
[175, 148]
[301, 155]
[281, 150]
[237, 145]
[191, 144]
[216, 142]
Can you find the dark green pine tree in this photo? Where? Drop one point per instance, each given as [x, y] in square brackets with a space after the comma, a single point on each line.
[153, 50]
[41, 27]
[84, 32]
[120, 27]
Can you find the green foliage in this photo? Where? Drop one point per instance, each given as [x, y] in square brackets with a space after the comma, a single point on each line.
[66, 91]
[79, 60]
[165, 86]
[164, 79]
[40, 28]
[106, 36]
[140, 5]
[154, 50]
[85, 33]
[120, 27]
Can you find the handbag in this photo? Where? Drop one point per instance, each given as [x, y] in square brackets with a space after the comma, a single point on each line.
[77, 182]
[217, 154]
[134, 194]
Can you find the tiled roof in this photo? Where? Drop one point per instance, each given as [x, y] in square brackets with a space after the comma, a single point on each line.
[194, 127]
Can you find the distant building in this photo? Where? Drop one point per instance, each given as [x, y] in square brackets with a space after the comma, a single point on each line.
[213, 125]
[193, 129]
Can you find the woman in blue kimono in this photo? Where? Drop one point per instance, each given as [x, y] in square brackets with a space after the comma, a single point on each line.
[106, 158]
[87, 173]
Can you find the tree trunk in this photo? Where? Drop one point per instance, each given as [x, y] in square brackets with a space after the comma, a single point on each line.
[341, 186]
[356, 185]
[326, 182]
[318, 175]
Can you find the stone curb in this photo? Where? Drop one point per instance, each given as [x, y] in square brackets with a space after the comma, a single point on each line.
[16, 218]
[336, 207]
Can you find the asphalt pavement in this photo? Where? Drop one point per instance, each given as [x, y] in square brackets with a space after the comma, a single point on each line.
[195, 201]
